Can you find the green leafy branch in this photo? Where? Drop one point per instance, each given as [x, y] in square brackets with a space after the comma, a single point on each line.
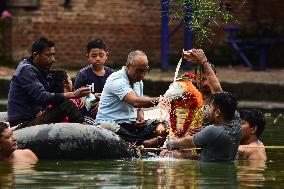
[199, 13]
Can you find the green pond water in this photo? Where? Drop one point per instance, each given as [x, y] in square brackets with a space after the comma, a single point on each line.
[156, 172]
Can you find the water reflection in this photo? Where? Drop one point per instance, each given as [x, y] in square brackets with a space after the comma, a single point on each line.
[142, 173]
[251, 173]
[6, 175]
[10, 172]
[156, 172]
[167, 173]
[161, 173]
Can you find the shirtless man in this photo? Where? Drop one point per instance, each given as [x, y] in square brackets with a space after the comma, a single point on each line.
[253, 123]
[8, 147]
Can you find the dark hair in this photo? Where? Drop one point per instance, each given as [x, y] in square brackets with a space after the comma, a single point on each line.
[226, 102]
[3, 126]
[255, 118]
[59, 78]
[96, 43]
[40, 44]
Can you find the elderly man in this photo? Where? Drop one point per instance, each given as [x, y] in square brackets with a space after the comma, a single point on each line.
[8, 147]
[122, 102]
[29, 91]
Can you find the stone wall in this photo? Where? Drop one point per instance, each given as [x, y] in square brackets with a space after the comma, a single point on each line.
[125, 25]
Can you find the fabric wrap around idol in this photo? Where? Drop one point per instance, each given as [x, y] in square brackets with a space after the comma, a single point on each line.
[185, 107]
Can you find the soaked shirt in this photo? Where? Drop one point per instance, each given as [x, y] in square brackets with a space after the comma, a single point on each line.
[219, 143]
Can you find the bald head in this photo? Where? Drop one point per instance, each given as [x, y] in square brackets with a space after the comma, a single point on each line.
[137, 66]
[135, 55]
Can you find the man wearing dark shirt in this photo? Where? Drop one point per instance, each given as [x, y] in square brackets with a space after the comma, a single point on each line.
[29, 96]
[219, 141]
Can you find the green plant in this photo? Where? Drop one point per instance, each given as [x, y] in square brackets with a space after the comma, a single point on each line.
[200, 13]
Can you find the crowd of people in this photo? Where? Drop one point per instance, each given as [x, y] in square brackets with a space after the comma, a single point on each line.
[39, 94]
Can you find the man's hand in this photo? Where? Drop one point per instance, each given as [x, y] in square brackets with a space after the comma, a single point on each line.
[140, 118]
[81, 92]
[172, 144]
[95, 108]
[39, 113]
[195, 56]
[140, 122]
[156, 101]
[98, 96]
[81, 103]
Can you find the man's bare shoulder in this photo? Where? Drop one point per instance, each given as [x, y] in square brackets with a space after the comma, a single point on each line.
[252, 151]
[25, 155]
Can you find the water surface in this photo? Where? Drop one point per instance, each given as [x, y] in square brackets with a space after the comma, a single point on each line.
[155, 172]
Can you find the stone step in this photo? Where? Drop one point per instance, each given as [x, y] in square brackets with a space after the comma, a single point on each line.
[244, 91]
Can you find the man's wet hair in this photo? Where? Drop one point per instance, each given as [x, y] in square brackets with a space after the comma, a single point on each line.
[255, 118]
[226, 102]
[96, 43]
[3, 126]
[40, 44]
[59, 78]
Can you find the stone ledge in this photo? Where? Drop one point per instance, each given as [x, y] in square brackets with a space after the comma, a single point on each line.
[244, 91]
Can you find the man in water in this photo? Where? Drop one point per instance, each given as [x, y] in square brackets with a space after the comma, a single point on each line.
[219, 141]
[122, 102]
[8, 147]
[253, 123]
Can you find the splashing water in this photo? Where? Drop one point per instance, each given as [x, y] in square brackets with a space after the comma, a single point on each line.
[163, 159]
[164, 101]
[177, 69]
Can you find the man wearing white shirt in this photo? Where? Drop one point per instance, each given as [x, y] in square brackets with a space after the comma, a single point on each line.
[122, 102]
